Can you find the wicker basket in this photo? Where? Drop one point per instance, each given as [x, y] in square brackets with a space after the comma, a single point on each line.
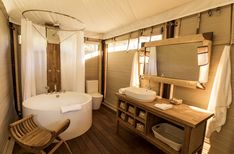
[169, 134]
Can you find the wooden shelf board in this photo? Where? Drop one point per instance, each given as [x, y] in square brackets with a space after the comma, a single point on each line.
[126, 124]
[182, 114]
[130, 114]
[140, 119]
[150, 137]
[121, 109]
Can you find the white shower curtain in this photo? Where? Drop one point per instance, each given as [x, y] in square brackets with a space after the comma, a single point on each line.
[152, 65]
[33, 59]
[134, 81]
[27, 60]
[73, 62]
[221, 94]
[40, 58]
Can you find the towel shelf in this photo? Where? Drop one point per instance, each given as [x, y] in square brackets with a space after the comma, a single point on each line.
[143, 116]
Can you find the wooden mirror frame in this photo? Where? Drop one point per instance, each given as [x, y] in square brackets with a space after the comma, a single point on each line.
[205, 38]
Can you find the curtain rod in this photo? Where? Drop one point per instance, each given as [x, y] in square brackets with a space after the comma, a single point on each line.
[136, 31]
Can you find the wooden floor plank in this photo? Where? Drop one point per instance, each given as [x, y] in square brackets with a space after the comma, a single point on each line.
[90, 144]
[102, 139]
[99, 145]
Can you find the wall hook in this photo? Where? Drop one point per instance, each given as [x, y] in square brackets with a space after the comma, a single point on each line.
[210, 13]
[218, 10]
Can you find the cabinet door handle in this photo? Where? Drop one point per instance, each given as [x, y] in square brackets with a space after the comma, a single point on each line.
[58, 71]
[49, 70]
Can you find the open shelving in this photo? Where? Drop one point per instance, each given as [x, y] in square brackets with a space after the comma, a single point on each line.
[147, 116]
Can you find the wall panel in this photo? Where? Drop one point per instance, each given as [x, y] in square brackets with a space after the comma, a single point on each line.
[218, 23]
[188, 25]
[6, 91]
[118, 74]
[92, 68]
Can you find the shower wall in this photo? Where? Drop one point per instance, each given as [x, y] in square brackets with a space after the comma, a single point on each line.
[53, 67]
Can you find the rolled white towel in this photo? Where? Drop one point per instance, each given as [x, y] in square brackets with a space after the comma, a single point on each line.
[122, 90]
[70, 108]
[163, 106]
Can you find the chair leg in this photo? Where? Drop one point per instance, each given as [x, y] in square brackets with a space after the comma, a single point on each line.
[56, 147]
[69, 149]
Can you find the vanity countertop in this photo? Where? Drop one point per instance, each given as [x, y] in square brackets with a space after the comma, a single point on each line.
[184, 114]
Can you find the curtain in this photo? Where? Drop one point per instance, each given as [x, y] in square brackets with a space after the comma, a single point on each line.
[33, 59]
[40, 58]
[152, 65]
[73, 62]
[221, 94]
[27, 60]
[134, 81]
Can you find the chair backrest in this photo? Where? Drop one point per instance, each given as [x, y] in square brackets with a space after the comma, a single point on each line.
[22, 127]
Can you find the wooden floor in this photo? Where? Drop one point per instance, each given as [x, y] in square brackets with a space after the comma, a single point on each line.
[101, 138]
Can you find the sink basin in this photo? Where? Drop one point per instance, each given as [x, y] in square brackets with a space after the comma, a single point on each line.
[140, 94]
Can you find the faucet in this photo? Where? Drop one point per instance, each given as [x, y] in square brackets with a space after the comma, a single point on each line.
[149, 85]
[55, 88]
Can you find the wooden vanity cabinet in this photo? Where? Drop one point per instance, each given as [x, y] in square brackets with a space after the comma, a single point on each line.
[190, 119]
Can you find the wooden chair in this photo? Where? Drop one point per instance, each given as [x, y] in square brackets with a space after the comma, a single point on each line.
[35, 139]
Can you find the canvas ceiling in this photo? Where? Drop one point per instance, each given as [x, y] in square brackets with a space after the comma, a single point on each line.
[110, 18]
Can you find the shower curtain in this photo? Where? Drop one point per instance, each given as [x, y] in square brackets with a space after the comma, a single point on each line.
[33, 59]
[221, 94]
[72, 61]
[40, 58]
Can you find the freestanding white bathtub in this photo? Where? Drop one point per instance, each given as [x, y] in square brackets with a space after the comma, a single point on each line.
[46, 109]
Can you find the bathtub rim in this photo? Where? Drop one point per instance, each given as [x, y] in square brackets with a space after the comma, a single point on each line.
[26, 104]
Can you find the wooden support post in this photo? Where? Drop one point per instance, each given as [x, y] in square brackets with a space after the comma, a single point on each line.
[171, 91]
[187, 135]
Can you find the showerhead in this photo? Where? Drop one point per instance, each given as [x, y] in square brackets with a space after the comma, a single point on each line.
[52, 25]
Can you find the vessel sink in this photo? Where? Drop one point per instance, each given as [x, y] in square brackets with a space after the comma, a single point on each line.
[140, 94]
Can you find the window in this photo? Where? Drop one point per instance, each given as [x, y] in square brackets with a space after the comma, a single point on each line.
[118, 46]
[156, 37]
[131, 44]
[143, 39]
[91, 50]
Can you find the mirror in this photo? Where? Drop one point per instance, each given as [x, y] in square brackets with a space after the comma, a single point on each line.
[183, 59]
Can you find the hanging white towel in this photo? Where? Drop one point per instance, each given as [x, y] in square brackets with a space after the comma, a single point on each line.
[152, 65]
[70, 108]
[134, 81]
[221, 94]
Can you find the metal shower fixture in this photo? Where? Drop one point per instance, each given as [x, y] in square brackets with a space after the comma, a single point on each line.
[54, 20]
